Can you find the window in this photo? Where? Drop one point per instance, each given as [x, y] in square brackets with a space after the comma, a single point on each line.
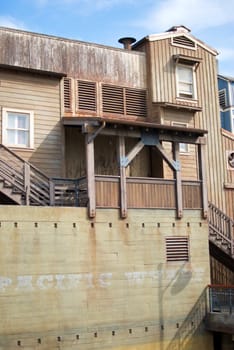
[17, 128]
[185, 81]
[184, 147]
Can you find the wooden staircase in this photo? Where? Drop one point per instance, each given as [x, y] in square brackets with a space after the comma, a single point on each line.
[221, 229]
[23, 184]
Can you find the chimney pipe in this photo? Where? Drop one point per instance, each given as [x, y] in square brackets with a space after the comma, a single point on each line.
[127, 42]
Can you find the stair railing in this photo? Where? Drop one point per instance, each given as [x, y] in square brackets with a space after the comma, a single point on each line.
[221, 229]
[35, 187]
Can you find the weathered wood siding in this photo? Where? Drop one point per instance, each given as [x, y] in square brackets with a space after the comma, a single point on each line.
[41, 95]
[188, 162]
[162, 79]
[228, 146]
[74, 58]
[67, 284]
[220, 274]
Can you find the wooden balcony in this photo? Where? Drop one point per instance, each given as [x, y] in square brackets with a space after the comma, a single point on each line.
[146, 193]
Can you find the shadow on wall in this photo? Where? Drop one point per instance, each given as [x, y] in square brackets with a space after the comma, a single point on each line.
[176, 285]
[192, 325]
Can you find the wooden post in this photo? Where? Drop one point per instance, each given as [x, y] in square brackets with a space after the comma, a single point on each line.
[27, 183]
[202, 176]
[179, 200]
[89, 145]
[123, 184]
[52, 192]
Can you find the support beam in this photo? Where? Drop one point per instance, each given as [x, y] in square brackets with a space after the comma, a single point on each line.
[123, 183]
[179, 200]
[89, 146]
[92, 130]
[125, 161]
[202, 176]
[173, 164]
[27, 183]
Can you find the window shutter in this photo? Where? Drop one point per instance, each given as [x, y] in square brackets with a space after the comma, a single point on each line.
[112, 99]
[67, 94]
[136, 102]
[86, 95]
[177, 248]
[222, 98]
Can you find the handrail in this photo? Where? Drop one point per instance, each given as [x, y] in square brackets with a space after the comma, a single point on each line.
[33, 184]
[221, 229]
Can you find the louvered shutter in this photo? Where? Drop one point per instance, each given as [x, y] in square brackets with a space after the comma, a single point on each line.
[135, 102]
[86, 95]
[112, 99]
[67, 94]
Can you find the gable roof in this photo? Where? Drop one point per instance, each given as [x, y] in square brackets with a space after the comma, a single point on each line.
[178, 31]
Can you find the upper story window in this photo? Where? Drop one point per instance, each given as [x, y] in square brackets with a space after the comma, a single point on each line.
[232, 120]
[185, 68]
[17, 128]
[184, 147]
[185, 81]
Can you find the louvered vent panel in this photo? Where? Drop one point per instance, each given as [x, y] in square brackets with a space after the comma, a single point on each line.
[112, 99]
[183, 41]
[177, 248]
[67, 97]
[136, 102]
[222, 98]
[87, 95]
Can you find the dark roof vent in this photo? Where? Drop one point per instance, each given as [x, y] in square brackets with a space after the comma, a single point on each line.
[127, 42]
[179, 29]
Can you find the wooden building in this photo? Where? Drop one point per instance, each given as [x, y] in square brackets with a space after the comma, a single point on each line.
[130, 139]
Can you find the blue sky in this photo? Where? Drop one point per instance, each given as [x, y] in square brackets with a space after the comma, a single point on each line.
[105, 21]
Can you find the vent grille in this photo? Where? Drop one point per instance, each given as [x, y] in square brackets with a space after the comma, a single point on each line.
[86, 98]
[177, 249]
[112, 99]
[183, 41]
[136, 102]
[222, 98]
[67, 99]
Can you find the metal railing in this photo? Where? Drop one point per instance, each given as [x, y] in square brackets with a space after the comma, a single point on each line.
[221, 298]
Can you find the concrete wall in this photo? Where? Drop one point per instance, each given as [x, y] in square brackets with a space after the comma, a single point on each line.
[69, 283]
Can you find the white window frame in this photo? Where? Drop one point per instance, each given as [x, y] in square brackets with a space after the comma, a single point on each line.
[183, 147]
[180, 94]
[232, 120]
[5, 112]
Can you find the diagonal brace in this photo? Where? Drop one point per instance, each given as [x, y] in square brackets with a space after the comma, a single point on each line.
[125, 161]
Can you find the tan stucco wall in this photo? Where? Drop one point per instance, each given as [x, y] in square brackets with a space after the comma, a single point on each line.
[102, 284]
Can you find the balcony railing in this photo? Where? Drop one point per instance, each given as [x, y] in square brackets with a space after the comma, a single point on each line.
[221, 298]
[146, 193]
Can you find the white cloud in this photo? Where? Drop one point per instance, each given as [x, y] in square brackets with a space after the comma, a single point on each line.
[226, 54]
[86, 4]
[195, 14]
[10, 22]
